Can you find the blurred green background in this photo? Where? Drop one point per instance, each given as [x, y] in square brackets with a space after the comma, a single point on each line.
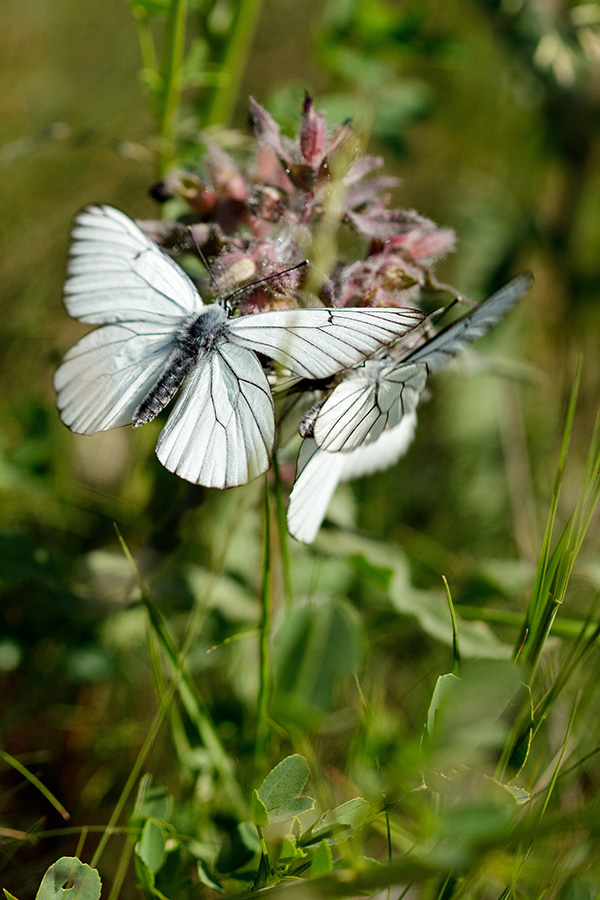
[490, 114]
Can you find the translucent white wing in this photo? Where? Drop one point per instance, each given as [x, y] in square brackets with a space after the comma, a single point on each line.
[375, 396]
[438, 351]
[105, 376]
[117, 274]
[370, 400]
[319, 473]
[317, 343]
[383, 452]
[317, 476]
[222, 428]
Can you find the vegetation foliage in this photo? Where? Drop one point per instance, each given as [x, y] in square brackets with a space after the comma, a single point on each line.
[194, 704]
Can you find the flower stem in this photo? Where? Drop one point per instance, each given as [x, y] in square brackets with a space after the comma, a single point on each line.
[172, 63]
[264, 685]
[288, 591]
[234, 63]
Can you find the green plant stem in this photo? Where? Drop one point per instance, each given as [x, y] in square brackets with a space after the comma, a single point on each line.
[288, 591]
[234, 63]
[262, 723]
[136, 769]
[11, 761]
[171, 72]
[188, 692]
[122, 867]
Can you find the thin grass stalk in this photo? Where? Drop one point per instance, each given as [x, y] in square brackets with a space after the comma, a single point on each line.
[553, 577]
[537, 601]
[455, 640]
[264, 630]
[172, 81]
[150, 68]
[190, 697]
[236, 57]
[136, 769]
[567, 549]
[577, 655]
[35, 781]
[122, 866]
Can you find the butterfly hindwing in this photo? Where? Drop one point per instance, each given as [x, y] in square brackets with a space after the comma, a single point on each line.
[319, 473]
[317, 477]
[108, 373]
[369, 400]
[222, 428]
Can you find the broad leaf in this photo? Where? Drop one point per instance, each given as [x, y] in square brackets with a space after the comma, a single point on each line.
[151, 848]
[283, 783]
[70, 879]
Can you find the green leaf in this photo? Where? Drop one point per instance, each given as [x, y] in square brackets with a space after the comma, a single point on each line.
[322, 861]
[443, 688]
[151, 848]
[8, 895]
[152, 801]
[318, 645]
[207, 878]
[260, 812]
[339, 823]
[283, 783]
[145, 877]
[295, 808]
[469, 717]
[290, 851]
[72, 879]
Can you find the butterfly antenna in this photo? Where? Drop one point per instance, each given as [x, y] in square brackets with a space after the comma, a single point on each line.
[231, 306]
[206, 266]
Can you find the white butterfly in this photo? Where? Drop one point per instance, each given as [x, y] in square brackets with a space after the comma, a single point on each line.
[369, 419]
[157, 336]
[375, 395]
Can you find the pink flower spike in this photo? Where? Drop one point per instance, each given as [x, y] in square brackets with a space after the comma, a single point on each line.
[313, 134]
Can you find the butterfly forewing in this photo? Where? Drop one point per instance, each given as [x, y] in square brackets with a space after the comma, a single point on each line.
[317, 343]
[117, 274]
[440, 349]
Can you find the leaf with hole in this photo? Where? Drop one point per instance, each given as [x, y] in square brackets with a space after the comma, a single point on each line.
[70, 879]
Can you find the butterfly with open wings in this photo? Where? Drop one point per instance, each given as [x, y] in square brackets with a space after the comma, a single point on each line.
[158, 337]
[368, 420]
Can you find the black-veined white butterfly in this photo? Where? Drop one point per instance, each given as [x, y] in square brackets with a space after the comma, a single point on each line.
[157, 335]
[368, 420]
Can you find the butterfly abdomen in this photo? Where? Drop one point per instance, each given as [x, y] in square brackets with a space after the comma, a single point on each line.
[178, 365]
[193, 342]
